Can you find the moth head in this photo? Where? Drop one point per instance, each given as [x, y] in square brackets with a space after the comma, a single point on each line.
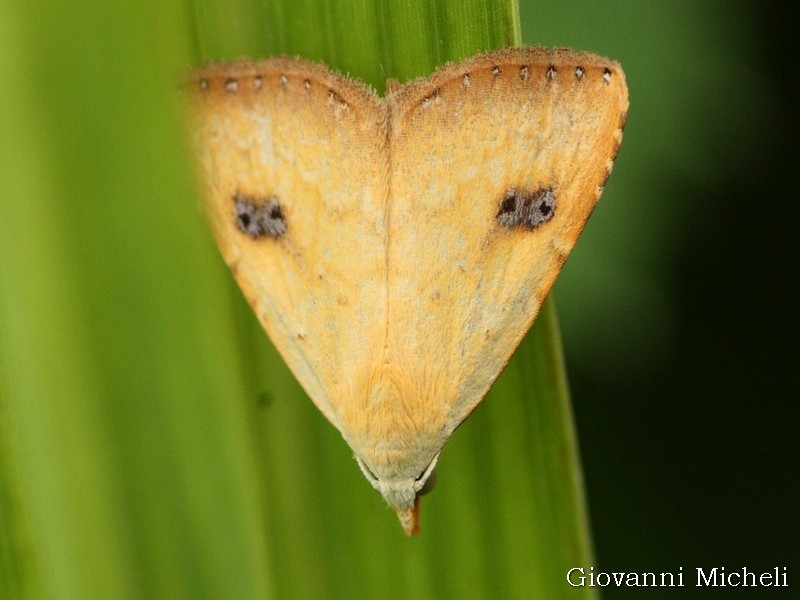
[402, 493]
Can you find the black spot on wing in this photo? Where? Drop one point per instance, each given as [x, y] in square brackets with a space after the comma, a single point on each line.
[527, 209]
[259, 217]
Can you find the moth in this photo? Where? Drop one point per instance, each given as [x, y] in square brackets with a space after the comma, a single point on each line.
[396, 249]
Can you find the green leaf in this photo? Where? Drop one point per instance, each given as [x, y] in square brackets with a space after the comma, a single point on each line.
[509, 508]
[152, 443]
[127, 467]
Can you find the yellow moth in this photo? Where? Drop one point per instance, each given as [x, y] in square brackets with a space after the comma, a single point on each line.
[397, 249]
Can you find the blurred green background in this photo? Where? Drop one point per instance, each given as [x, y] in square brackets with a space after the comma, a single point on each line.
[680, 307]
[679, 312]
